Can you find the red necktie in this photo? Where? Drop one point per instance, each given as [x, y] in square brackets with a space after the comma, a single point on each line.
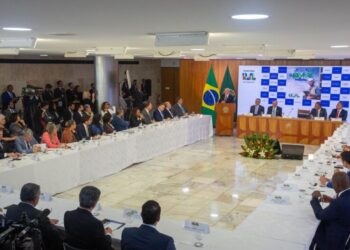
[338, 113]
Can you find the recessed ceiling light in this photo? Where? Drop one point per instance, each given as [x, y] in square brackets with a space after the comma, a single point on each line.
[250, 16]
[339, 46]
[16, 29]
[44, 55]
[214, 215]
[198, 49]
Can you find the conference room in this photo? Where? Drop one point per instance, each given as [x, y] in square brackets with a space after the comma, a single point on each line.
[163, 125]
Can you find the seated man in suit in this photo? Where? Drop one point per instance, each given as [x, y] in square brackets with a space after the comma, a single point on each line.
[334, 229]
[318, 111]
[345, 157]
[274, 110]
[118, 121]
[158, 113]
[30, 194]
[147, 237]
[178, 108]
[68, 114]
[83, 129]
[146, 112]
[83, 230]
[339, 112]
[257, 109]
[227, 96]
[168, 114]
[26, 143]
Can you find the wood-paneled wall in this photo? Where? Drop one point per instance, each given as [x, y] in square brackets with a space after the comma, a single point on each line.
[193, 74]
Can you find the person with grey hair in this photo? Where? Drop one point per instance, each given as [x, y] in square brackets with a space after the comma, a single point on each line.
[83, 230]
[30, 196]
[26, 143]
[118, 121]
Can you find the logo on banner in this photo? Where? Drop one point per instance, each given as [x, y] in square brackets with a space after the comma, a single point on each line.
[248, 76]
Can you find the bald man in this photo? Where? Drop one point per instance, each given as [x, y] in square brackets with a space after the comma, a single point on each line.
[334, 229]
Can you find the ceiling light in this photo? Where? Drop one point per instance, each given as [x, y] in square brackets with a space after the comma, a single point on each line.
[214, 215]
[185, 189]
[43, 55]
[250, 17]
[16, 29]
[339, 46]
[236, 196]
[198, 49]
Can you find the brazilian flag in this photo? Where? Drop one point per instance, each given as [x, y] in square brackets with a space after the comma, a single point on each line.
[210, 96]
[227, 81]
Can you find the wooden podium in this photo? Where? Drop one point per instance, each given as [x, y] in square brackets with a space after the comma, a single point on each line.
[224, 118]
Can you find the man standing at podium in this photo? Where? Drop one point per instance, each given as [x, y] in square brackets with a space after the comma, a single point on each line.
[227, 96]
[274, 110]
[257, 109]
[339, 112]
[318, 111]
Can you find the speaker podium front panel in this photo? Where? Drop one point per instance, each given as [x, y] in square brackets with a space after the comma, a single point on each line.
[224, 118]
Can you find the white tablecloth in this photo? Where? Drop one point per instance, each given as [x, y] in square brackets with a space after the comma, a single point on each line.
[60, 170]
[290, 221]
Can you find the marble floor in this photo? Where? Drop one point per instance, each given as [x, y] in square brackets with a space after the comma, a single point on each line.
[208, 181]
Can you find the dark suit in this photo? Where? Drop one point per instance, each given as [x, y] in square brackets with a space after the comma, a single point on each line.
[343, 114]
[168, 114]
[278, 111]
[81, 132]
[147, 118]
[230, 98]
[158, 115]
[50, 233]
[78, 118]
[334, 228]
[85, 231]
[179, 110]
[145, 238]
[6, 98]
[323, 113]
[261, 110]
[68, 115]
[119, 124]
[47, 96]
[60, 94]
[134, 121]
[3, 149]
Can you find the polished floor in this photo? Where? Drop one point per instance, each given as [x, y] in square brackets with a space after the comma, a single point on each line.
[208, 181]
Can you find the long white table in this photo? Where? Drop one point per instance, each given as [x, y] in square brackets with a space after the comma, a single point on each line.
[291, 220]
[59, 170]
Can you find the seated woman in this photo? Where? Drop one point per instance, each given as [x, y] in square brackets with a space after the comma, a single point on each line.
[136, 118]
[50, 137]
[105, 108]
[17, 125]
[107, 124]
[96, 127]
[69, 132]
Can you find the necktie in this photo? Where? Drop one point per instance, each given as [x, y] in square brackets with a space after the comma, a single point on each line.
[256, 110]
[273, 112]
[318, 113]
[337, 114]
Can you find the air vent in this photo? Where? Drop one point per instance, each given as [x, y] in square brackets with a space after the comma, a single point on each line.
[128, 62]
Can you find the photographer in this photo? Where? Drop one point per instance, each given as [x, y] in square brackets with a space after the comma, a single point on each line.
[30, 194]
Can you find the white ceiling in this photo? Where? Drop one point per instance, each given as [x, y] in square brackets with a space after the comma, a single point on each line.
[307, 26]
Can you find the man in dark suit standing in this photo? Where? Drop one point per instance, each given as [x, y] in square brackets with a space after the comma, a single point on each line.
[83, 230]
[69, 112]
[168, 114]
[60, 94]
[339, 112]
[274, 110]
[8, 96]
[334, 229]
[30, 194]
[158, 113]
[257, 109]
[227, 96]
[178, 108]
[318, 111]
[147, 237]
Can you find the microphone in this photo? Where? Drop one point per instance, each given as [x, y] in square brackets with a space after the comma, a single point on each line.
[290, 111]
